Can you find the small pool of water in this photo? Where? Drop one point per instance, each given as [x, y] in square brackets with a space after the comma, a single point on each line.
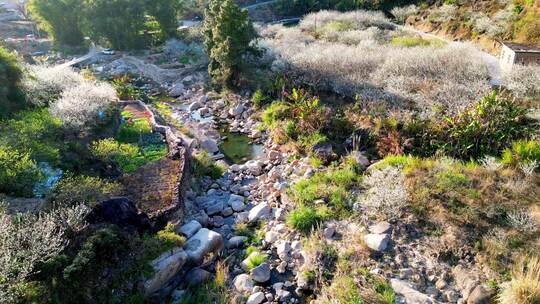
[238, 148]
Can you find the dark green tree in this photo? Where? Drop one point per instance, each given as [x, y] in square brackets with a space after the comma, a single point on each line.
[60, 18]
[11, 96]
[229, 37]
[165, 12]
[118, 22]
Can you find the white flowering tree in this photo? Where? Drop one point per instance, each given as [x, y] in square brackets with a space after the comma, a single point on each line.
[84, 106]
[44, 84]
[27, 240]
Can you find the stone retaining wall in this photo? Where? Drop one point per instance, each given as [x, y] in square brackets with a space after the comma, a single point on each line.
[178, 150]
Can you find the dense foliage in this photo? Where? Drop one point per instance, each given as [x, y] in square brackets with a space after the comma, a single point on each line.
[123, 24]
[11, 96]
[229, 37]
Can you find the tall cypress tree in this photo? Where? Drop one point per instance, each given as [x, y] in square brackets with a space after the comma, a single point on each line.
[229, 37]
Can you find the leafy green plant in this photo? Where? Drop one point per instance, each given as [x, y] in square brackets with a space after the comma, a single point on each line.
[76, 189]
[11, 96]
[255, 259]
[125, 90]
[170, 238]
[127, 156]
[259, 99]
[485, 129]
[18, 173]
[522, 152]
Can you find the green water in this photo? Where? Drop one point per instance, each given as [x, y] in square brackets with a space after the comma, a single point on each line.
[238, 148]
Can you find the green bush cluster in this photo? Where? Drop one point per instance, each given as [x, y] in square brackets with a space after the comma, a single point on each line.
[11, 95]
[522, 152]
[124, 24]
[305, 219]
[204, 165]
[126, 156]
[76, 189]
[18, 172]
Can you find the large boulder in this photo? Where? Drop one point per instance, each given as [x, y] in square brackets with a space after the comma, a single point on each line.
[121, 212]
[410, 294]
[190, 228]
[197, 276]
[243, 283]
[177, 90]
[377, 242]
[165, 268]
[261, 273]
[210, 145]
[205, 241]
[258, 212]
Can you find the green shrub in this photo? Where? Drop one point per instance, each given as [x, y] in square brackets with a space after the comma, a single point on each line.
[255, 259]
[522, 152]
[276, 112]
[133, 129]
[259, 99]
[11, 96]
[128, 157]
[204, 165]
[72, 190]
[485, 129]
[332, 187]
[170, 238]
[18, 173]
[36, 132]
[305, 219]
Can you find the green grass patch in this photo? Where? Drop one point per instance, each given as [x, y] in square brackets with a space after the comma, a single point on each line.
[332, 187]
[255, 259]
[305, 219]
[416, 41]
[204, 165]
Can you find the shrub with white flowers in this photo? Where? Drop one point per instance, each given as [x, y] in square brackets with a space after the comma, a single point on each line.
[83, 107]
[44, 84]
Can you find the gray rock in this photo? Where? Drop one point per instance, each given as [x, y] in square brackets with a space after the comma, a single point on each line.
[197, 276]
[480, 295]
[243, 283]
[237, 110]
[256, 298]
[380, 228]
[254, 167]
[227, 212]
[377, 242]
[210, 145]
[236, 241]
[202, 243]
[271, 237]
[259, 211]
[329, 232]
[261, 273]
[410, 294]
[194, 106]
[218, 221]
[165, 267]
[283, 295]
[190, 228]
[215, 208]
[237, 202]
[177, 90]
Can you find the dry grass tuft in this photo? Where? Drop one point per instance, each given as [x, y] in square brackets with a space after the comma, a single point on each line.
[524, 288]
